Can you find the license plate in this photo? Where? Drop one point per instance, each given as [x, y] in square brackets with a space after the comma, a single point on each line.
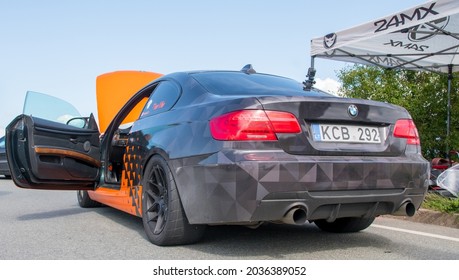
[345, 133]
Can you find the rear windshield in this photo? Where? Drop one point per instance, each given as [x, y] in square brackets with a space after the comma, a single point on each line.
[239, 83]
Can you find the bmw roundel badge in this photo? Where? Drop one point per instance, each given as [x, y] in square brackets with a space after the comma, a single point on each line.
[353, 111]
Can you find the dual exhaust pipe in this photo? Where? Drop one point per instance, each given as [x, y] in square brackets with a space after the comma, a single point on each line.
[298, 215]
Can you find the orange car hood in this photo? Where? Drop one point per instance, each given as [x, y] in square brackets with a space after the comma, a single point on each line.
[114, 89]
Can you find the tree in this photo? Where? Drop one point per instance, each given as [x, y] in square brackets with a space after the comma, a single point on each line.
[423, 94]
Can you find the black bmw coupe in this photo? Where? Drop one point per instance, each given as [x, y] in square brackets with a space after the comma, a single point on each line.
[231, 147]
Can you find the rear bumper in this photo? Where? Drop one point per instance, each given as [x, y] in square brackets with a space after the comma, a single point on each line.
[336, 204]
[244, 187]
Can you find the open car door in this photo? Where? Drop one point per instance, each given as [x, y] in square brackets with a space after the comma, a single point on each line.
[47, 153]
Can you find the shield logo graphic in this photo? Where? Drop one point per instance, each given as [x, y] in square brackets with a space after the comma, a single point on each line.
[330, 40]
[428, 30]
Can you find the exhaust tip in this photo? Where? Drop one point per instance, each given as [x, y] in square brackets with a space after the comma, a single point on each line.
[299, 216]
[410, 209]
[406, 209]
[295, 216]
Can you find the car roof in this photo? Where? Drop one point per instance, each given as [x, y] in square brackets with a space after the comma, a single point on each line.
[189, 74]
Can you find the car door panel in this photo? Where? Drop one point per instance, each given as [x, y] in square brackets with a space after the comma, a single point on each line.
[48, 155]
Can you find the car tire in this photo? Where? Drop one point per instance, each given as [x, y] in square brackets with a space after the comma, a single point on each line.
[343, 225]
[163, 216]
[85, 201]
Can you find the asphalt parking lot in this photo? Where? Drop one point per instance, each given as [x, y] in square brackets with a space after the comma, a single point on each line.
[49, 225]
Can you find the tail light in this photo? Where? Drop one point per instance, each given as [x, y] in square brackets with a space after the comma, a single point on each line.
[405, 128]
[253, 125]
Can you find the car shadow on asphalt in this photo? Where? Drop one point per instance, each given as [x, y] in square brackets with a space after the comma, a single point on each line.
[281, 241]
[51, 214]
[4, 193]
[272, 241]
[122, 218]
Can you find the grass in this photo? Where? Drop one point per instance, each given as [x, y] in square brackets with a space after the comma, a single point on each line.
[441, 203]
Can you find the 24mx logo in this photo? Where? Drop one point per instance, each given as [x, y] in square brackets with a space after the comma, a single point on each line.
[409, 46]
[386, 61]
[402, 19]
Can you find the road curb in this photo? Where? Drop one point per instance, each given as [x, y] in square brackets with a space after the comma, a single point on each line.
[427, 216]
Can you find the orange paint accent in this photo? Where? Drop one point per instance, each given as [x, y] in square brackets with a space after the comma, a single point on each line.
[114, 89]
[112, 198]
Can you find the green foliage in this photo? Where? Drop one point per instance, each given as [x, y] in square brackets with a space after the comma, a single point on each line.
[440, 203]
[423, 94]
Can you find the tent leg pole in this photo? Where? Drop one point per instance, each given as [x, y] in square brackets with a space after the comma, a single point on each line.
[309, 82]
[448, 111]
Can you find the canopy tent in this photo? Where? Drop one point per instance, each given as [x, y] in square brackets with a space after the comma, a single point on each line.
[425, 37]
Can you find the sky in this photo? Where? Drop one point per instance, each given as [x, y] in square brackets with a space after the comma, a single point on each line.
[60, 47]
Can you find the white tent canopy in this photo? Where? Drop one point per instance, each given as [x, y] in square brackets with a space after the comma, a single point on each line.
[424, 37]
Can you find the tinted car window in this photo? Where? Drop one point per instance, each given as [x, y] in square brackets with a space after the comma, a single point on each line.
[48, 107]
[163, 99]
[239, 83]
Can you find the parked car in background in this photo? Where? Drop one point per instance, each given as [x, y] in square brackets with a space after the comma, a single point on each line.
[200, 148]
[4, 169]
[438, 168]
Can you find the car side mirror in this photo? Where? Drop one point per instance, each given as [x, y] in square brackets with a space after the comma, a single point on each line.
[80, 122]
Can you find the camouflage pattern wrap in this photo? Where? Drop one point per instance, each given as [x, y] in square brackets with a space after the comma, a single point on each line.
[238, 186]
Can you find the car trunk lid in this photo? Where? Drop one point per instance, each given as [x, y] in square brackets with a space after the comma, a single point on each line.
[340, 126]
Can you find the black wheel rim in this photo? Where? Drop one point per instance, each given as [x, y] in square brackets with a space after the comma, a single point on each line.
[156, 200]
